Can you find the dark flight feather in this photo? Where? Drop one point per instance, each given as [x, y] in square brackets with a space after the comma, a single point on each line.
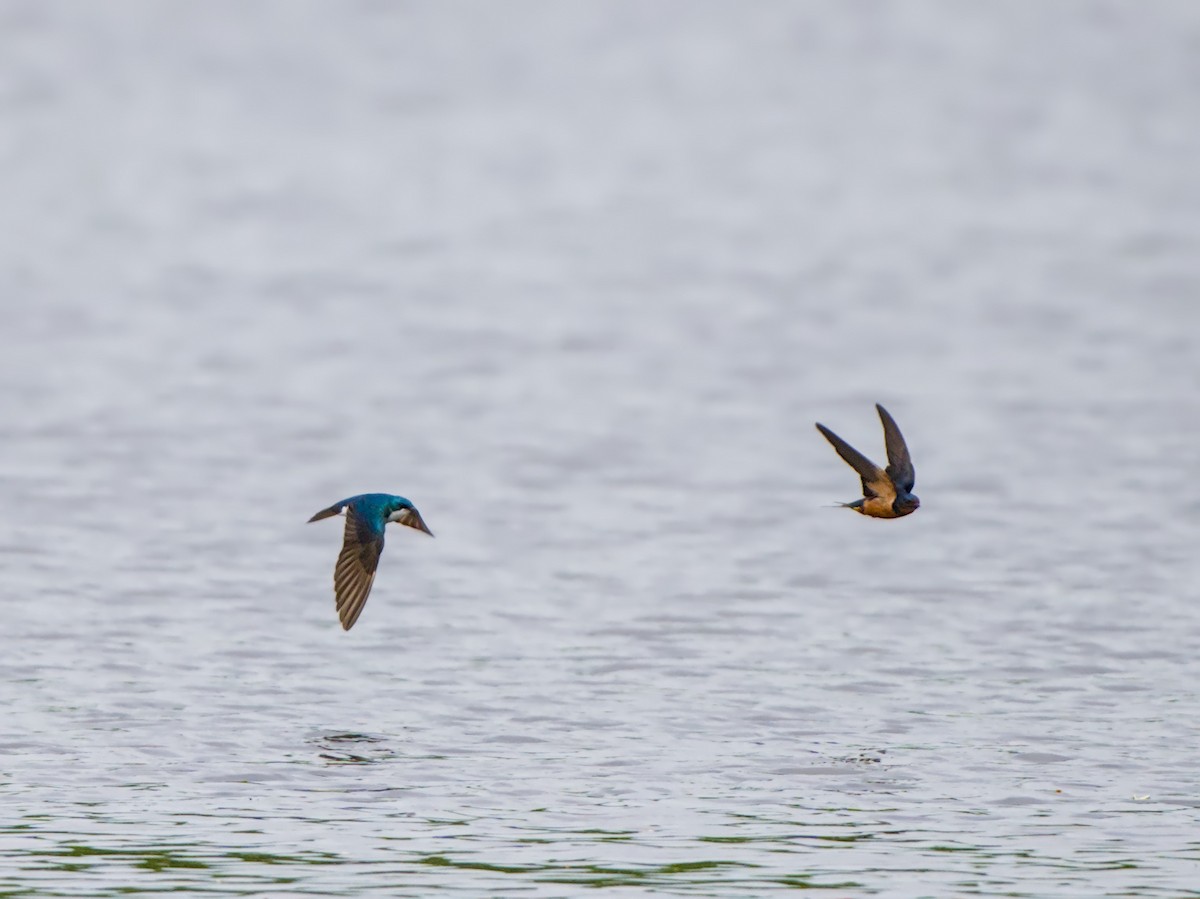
[875, 482]
[354, 574]
[335, 509]
[900, 468]
[412, 518]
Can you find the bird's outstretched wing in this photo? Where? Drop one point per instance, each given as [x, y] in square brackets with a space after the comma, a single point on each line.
[900, 467]
[412, 518]
[355, 570]
[875, 481]
[335, 509]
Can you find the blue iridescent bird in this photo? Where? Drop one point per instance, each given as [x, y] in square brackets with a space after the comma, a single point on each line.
[886, 493]
[366, 517]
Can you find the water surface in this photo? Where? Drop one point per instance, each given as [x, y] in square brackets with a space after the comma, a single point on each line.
[578, 279]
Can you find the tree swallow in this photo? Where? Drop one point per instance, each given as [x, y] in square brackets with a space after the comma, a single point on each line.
[886, 494]
[366, 516]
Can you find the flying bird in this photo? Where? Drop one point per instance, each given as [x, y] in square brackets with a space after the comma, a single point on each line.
[366, 516]
[886, 493]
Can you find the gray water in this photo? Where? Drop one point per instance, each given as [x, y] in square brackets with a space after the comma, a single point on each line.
[578, 278]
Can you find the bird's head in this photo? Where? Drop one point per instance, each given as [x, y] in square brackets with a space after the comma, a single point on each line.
[404, 512]
[906, 504]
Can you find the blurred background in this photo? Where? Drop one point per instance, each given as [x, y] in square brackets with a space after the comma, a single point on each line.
[577, 279]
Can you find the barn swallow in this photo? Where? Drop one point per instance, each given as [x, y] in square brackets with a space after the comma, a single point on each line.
[886, 494]
[366, 517]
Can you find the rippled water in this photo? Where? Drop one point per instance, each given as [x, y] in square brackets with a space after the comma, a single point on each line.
[578, 279]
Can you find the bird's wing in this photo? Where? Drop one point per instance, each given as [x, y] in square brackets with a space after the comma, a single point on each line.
[412, 518]
[900, 467]
[335, 509]
[355, 570]
[875, 481]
